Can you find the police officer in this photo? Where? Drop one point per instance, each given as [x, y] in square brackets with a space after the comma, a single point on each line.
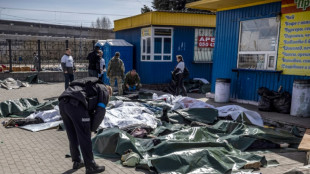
[82, 108]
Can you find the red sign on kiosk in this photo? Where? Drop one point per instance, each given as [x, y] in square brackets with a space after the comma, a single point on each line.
[206, 41]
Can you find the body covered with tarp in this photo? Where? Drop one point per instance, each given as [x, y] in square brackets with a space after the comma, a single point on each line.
[176, 146]
[216, 149]
[24, 107]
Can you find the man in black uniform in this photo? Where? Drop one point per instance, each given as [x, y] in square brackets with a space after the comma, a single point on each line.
[82, 108]
[94, 62]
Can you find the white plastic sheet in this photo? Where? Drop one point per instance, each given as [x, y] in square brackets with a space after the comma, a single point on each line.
[234, 111]
[10, 83]
[47, 116]
[128, 113]
[188, 102]
[41, 126]
[205, 81]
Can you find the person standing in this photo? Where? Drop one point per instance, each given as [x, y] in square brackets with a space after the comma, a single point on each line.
[94, 62]
[102, 66]
[178, 74]
[68, 67]
[116, 70]
[35, 62]
[82, 107]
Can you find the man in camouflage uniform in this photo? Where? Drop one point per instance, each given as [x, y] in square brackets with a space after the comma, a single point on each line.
[132, 81]
[116, 71]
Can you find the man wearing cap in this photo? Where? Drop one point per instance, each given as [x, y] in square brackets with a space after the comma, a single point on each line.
[116, 70]
[82, 108]
[94, 62]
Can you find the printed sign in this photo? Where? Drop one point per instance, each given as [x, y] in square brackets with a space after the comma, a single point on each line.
[206, 42]
[293, 6]
[294, 44]
[303, 4]
[146, 32]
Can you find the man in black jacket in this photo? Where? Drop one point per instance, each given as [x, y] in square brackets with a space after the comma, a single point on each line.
[82, 108]
[94, 62]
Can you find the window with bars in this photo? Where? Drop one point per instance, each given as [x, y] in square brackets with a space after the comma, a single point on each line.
[204, 45]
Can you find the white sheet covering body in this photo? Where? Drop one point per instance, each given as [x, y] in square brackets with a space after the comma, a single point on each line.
[47, 116]
[10, 83]
[188, 102]
[128, 113]
[234, 111]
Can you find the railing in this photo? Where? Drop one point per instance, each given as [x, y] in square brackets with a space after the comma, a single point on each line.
[20, 55]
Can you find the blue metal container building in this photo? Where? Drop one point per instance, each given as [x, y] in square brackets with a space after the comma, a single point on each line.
[182, 41]
[244, 82]
[111, 46]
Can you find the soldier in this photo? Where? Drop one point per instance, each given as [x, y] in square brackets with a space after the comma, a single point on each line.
[132, 81]
[116, 71]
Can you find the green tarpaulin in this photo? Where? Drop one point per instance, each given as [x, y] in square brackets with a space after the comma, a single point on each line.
[216, 149]
[24, 107]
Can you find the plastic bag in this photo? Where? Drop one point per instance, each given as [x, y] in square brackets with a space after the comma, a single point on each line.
[282, 103]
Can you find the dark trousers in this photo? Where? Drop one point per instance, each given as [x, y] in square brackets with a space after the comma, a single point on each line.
[180, 85]
[68, 78]
[77, 122]
[92, 73]
[26, 121]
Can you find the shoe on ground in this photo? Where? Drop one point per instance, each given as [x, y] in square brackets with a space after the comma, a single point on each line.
[10, 123]
[77, 165]
[94, 168]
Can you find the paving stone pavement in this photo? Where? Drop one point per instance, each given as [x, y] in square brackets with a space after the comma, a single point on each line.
[25, 152]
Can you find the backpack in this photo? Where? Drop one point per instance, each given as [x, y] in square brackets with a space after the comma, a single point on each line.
[185, 73]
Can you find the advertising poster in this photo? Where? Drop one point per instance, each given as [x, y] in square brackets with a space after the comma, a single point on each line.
[294, 43]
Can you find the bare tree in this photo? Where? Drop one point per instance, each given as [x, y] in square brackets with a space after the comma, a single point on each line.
[99, 26]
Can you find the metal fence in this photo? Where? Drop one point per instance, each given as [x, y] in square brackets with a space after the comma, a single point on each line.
[19, 55]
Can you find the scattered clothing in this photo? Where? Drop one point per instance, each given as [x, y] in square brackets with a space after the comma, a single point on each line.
[130, 159]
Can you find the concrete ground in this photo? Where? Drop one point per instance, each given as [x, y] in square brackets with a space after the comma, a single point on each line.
[28, 152]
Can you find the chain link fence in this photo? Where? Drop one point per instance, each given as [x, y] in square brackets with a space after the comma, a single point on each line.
[19, 55]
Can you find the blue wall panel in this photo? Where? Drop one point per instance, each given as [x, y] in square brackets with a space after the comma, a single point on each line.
[160, 72]
[244, 84]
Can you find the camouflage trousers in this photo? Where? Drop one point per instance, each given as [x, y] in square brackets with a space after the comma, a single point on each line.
[119, 83]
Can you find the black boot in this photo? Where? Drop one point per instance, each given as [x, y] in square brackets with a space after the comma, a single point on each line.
[94, 168]
[77, 165]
